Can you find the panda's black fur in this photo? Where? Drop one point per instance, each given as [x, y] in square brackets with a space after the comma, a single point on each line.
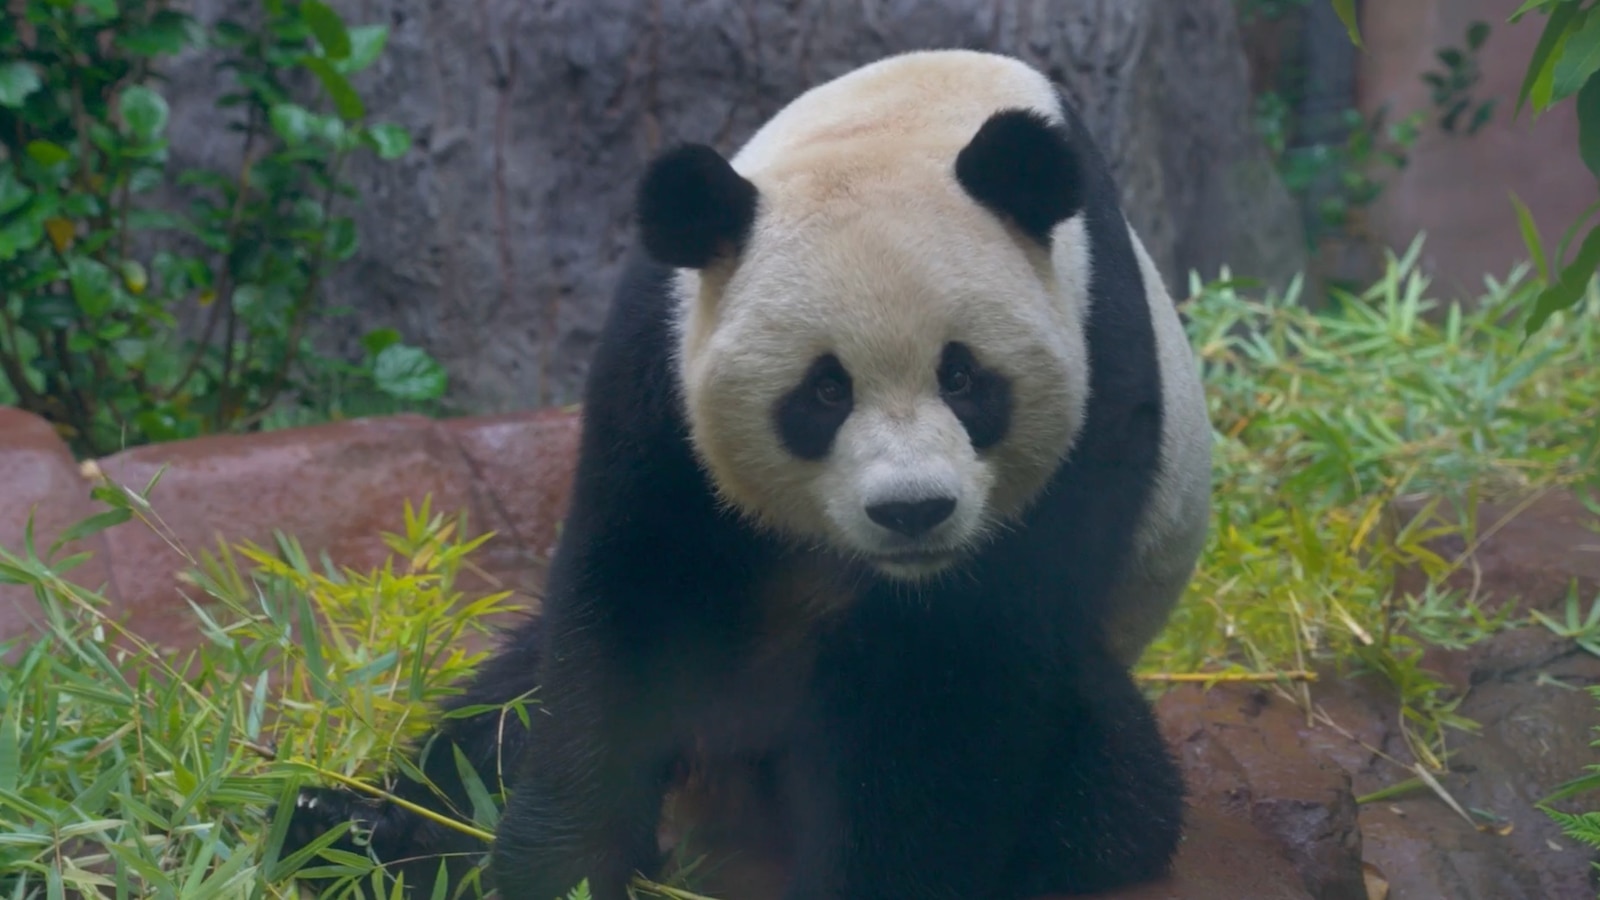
[970, 737]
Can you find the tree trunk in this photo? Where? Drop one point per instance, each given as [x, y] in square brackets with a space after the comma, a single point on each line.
[495, 242]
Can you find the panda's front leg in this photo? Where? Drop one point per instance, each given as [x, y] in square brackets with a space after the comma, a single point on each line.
[1113, 794]
[915, 767]
[590, 789]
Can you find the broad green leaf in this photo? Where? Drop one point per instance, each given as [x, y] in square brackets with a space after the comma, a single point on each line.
[366, 45]
[134, 277]
[168, 32]
[328, 27]
[1567, 290]
[48, 153]
[1477, 33]
[341, 238]
[144, 112]
[13, 193]
[484, 812]
[1588, 105]
[291, 122]
[1579, 59]
[1347, 14]
[92, 525]
[408, 373]
[1530, 237]
[91, 285]
[17, 81]
[11, 749]
[391, 141]
[1530, 6]
[378, 338]
[22, 233]
[1539, 65]
[345, 99]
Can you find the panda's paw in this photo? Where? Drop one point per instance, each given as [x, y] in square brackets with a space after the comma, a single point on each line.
[318, 810]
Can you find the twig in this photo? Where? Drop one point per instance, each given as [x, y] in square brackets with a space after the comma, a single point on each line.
[280, 378]
[662, 890]
[224, 287]
[1226, 677]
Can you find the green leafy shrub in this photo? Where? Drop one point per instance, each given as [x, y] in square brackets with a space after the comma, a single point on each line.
[123, 773]
[1322, 421]
[98, 270]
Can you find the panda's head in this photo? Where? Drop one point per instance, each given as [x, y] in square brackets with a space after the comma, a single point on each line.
[879, 339]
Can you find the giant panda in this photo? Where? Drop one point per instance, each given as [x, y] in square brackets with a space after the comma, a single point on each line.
[894, 458]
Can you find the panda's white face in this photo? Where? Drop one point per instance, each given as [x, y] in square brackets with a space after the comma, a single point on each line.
[891, 376]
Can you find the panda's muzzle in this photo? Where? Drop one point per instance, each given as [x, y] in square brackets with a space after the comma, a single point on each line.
[912, 518]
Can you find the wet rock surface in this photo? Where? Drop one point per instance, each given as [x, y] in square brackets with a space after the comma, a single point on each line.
[336, 488]
[1273, 782]
[38, 476]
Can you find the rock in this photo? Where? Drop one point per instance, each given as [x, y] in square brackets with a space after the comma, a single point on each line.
[1529, 550]
[1243, 752]
[497, 240]
[337, 488]
[523, 464]
[39, 476]
[1536, 726]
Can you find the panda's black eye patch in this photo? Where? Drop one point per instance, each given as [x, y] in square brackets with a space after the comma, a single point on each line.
[980, 397]
[809, 416]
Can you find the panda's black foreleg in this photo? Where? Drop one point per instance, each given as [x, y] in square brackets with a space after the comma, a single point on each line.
[492, 742]
[1113, 796]
[912, 773]
[589, 796]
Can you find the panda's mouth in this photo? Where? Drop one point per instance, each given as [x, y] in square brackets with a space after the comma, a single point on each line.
[912, 563]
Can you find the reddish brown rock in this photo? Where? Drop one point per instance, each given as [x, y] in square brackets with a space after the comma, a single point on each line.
[336, 488]
[1242, 752]
[522, 464]
[39, 475]
[1526, 550]
[1535, 728]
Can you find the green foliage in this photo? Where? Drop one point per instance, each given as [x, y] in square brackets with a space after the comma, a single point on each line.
[102, 264]
[123, 771]
[1347, 14]
[1358, 166]
[1451, 89]
[1323, 420]
[1566, 64]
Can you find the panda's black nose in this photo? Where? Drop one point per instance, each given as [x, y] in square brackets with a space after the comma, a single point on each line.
[912, 518]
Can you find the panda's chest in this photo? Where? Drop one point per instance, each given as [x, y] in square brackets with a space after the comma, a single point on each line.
[760, 687]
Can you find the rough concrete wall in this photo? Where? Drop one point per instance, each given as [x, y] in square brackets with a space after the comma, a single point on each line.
[495, 242]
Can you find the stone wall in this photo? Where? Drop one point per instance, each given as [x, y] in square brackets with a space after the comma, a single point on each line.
[495, 242]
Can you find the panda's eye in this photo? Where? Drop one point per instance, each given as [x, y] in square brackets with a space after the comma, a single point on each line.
[831, 391]
[955, 380]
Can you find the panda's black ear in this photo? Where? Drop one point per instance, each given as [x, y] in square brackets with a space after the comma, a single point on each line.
[1022, 167]
[693, 208]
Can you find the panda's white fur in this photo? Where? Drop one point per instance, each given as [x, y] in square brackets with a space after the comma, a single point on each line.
[849, 174]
